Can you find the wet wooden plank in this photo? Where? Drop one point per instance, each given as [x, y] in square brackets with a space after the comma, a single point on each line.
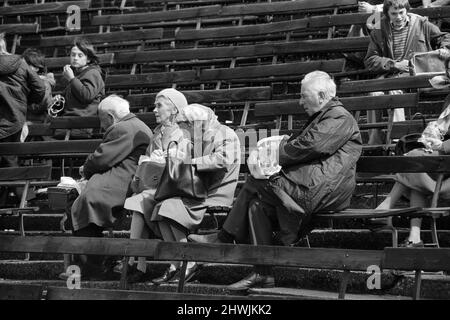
[394, 164]
[219, 10]
[208, 96]
[57, 293]
[52, 63]
[25, 173]
[19, 28]
[425, 259]
[79, 245]
[292, 107]
[269, 49]
[96, 38]
[42, 8]
[269, 255]
[20, 292]
[360, 86]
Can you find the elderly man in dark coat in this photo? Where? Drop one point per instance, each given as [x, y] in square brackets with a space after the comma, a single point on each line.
[317, 173]
[109, 169]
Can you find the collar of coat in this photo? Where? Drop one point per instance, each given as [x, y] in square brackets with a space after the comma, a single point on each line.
[334, 102]
[127, 117]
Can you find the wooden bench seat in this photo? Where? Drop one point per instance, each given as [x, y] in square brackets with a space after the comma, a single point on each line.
[42, 8]
[22, 176]
[347, 260]
[100, 38]
[19, 28]
[268, 72]
[105, 59]
[219, 10]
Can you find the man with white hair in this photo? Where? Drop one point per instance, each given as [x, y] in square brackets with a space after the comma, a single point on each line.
[109, 171]
[317, 173]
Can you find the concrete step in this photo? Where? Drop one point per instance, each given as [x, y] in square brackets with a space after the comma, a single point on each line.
[362, 239]
[213, 279]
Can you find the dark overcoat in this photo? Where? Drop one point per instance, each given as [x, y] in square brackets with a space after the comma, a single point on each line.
[318, 168]
[110, 170]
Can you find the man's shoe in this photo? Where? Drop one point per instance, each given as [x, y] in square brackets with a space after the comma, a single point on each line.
[253, 280]
[168, 275]
[190, 274]
[207, 238]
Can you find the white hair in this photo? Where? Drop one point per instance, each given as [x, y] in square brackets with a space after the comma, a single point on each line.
[321, 82]
[3, 49]
[115, 105]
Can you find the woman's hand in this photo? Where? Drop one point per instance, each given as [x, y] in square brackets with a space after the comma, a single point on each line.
[444, 53]
[68, 72]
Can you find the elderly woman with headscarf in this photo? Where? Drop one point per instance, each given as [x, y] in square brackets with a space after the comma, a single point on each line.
[168, 103]
[220, 160]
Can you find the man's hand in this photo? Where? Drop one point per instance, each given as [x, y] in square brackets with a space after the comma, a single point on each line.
[402, 65]
[444, 53]
[68, 72]
[364, 7]
[81, 171]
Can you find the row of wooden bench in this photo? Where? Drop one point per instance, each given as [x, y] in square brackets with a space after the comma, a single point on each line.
[407, 259]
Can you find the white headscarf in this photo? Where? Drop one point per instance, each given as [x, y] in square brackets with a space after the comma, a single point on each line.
[197, 112]
[175, 96]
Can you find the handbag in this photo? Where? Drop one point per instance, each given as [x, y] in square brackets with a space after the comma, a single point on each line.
[147, 176]
[410, 141]
[427, 63]
[180, 179]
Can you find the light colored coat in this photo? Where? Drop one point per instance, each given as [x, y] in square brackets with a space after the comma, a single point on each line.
[220, 163]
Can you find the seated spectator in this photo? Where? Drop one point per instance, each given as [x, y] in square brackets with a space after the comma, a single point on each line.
[317, 173]
[220, 161]
[86, 86]
[168, 104]
[20, 86]
[419, 187]
[36, 61]
[109, 171]
[391, 47]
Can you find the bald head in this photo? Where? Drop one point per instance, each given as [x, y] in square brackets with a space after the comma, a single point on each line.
[112, 109]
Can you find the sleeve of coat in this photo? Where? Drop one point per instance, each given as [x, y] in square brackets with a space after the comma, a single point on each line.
[88, 87]
[322, 140]
[438, 38]
[226, 152]
[374, 60]
[118, 144]
[37, 86]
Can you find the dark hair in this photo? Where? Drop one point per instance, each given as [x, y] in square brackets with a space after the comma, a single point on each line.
[397, 4]
[35, 58]
[87, 49]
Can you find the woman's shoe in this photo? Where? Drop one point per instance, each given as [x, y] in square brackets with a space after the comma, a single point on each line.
[409, 244]
[168, 275]
[190, 274]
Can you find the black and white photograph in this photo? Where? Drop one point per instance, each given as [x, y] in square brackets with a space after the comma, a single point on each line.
[224, 158]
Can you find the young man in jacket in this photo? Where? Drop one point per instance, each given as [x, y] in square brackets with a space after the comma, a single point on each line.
[318, 173]
[401, 35]
[20, 86]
